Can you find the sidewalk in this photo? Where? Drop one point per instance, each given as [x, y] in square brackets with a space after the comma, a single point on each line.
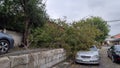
[62, 65]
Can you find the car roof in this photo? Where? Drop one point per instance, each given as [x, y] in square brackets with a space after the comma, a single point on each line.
[116, 45]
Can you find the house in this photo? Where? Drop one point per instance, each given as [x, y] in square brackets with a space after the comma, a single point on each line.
[111, 40]
[116, 39]
[116, 36]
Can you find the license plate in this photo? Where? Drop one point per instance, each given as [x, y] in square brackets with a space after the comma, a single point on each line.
[86, 60]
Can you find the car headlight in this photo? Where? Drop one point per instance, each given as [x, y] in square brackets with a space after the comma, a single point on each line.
[96, 56]
[77, 56]
[118, 53]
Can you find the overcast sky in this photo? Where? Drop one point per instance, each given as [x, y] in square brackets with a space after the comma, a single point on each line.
[78, 9]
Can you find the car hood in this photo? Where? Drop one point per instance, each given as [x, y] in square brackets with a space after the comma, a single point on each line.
[89, 53]
[5, 35]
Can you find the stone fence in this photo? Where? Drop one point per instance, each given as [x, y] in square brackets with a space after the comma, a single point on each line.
[40, 59]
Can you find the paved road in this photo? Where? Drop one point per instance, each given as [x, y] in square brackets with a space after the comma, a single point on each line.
[105, 62]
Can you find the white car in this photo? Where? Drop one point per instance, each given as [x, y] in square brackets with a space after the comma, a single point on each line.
[88, 57]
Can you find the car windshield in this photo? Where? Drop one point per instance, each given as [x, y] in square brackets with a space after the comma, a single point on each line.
[117, 47]
[93, 48]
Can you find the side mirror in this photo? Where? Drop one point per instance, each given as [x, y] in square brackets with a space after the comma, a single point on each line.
[110, 49]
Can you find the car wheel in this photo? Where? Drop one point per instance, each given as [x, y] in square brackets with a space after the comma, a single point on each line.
[113, 60]
[4, 46]
[108, 55]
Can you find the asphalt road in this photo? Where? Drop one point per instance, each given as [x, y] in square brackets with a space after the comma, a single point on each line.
[105, 62]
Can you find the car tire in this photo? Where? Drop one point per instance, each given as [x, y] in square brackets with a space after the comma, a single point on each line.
[108, 55]
[98, 64]
[4, 46]
[113, 59]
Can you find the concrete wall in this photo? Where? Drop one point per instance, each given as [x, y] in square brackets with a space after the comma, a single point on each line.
[44, 59]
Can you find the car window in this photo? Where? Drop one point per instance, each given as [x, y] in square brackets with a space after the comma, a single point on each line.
[117, 47]
[93, 48]
[112, 47]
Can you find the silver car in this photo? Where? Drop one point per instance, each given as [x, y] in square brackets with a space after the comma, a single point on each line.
[88, 57]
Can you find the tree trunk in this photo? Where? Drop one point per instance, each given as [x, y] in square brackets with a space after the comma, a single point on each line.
[25, 40]
[26, 33]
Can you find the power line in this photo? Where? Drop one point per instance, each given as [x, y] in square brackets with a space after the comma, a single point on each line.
[113, 21]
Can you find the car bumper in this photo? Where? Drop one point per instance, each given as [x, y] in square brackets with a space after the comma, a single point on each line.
[117, 58]
[87, 62]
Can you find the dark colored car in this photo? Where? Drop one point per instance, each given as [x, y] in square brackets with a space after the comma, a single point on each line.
[6, 42]
[114, 53]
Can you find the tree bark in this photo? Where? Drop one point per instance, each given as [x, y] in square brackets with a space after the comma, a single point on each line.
[25, 42]
[26, 33]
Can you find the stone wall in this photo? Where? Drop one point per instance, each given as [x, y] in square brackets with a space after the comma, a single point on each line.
[42, 59]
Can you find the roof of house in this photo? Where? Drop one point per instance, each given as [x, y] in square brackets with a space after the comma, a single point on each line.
[116, 36]
[113, 38]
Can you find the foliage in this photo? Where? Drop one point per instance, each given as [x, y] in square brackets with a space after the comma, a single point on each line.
[33, 18]
[22, 16]
[9, 17]
[34, 12]
[49, 35]
[79, 35]
[101, 25]
[29, 17]
[83, 34]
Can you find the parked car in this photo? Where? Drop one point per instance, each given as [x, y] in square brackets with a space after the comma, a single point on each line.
[6, 42]
[88, 57]
[114, 53]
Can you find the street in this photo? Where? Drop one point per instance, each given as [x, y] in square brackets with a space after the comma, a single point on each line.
[105, 62]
